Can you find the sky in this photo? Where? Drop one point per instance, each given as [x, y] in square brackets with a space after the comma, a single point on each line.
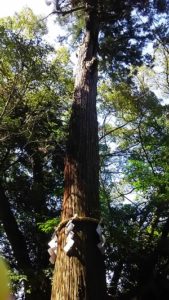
[39, 7]
[9, 7]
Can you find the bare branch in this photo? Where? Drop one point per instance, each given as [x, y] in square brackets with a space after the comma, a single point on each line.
[144, 150]
[111, 131]
[64, 13]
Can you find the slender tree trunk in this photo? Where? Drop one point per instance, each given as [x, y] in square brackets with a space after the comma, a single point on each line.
[18, 244]
[81, 275]
[13, 233]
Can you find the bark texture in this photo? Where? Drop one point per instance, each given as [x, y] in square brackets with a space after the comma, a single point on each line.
[81, 275]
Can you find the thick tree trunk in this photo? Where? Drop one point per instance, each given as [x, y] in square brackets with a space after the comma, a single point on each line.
[81, 275]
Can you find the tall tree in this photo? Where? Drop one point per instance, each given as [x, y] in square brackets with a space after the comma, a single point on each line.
[85, 267]
[114, 31]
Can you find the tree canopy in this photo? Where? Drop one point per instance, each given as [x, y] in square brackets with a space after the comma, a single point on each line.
[36, 86]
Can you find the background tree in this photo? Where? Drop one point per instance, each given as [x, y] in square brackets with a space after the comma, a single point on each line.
[35, 89]
[136, 198]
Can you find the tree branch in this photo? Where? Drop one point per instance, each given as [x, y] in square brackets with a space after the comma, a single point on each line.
[111, 131]
[144, 150]
[64, 13]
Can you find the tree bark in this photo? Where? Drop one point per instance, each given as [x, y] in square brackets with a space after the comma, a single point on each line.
[81, 275]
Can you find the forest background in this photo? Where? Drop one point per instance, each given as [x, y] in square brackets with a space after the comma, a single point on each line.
[36, 88]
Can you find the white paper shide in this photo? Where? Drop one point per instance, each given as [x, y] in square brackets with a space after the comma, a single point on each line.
[102, 238]
[53, 249]
[70, 237]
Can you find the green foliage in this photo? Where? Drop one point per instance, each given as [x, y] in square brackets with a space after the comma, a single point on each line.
[135, 190]
[16, 281]
[124, 29]
[49, 225]
[36, 89]
[34, 26]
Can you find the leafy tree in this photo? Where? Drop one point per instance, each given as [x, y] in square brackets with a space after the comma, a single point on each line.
[35, 92]
[137, 226]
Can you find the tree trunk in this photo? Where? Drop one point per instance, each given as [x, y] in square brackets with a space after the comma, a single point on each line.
[81, 275]
[15, 236]
[18, 244]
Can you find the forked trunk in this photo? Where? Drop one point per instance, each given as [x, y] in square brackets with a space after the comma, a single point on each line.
[80, 274]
